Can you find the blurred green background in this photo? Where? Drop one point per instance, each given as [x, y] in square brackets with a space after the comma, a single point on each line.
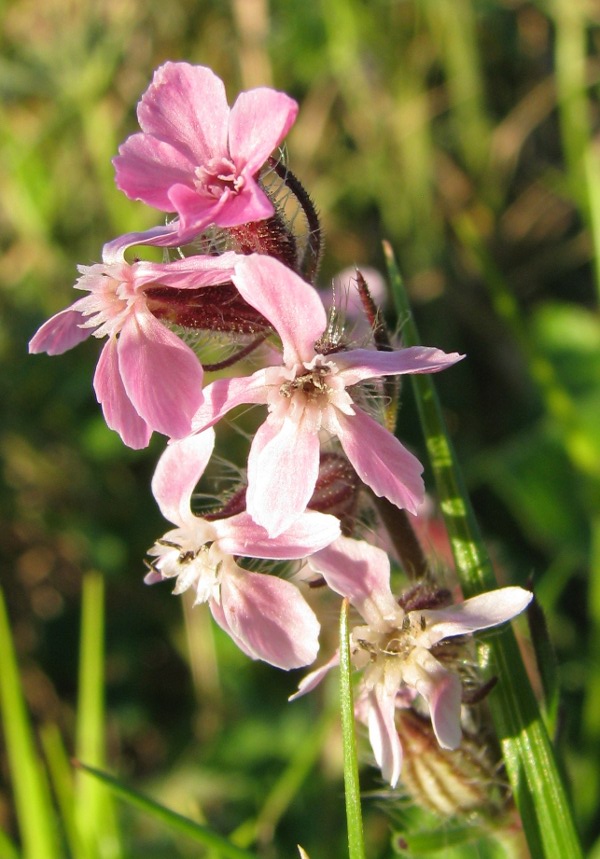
[464, 132]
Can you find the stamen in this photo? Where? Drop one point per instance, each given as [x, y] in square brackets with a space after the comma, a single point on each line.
[168, 543]
[312, 384]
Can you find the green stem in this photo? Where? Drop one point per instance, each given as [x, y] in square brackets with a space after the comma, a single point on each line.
[356, 844]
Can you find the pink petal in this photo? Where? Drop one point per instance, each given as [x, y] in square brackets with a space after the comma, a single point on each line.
[162, 236]
[312, 680]
[259, 120]
[480, 612]
[60, 333]
[186, 105]
[289, 303]
[225, 394]
[381, 461]
[119, 413]
[195, 209]
[187, 273]
[240, 535]
[359, 571]
[146, 168]
[162, 376]
[178, 471]
[271, 617]
[250, 204]
[219, 617]
[359, 364]
[443, 691]
[383, 734]
[283, 467]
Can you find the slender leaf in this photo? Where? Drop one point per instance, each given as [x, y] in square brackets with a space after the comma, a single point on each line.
[287, 785]
[592, 169]
[591, 705]
[351, 781]
[571, 84]
[200, 834]
[8, 850]
[61, 775]
[546, 661]
[530, 761]
[32, 797]
[94, 811]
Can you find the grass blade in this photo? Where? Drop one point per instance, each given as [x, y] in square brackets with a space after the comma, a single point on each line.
[351, 780]
[32, 796]
[179, 823]
[61, 777]
[8, 850]
[571, 85]
[287, 786]
[530, 761]
[94, 811]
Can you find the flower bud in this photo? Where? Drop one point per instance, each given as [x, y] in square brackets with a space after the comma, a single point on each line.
[336, 489]
[211, 308]
[468, 779]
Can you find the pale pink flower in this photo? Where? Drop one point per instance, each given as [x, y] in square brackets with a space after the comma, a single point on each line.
[147, 378]
[393, 647]
[310, 392]
[195, 155]
[266, 616]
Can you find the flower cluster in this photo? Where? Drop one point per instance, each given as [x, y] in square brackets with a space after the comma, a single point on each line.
[238, 274]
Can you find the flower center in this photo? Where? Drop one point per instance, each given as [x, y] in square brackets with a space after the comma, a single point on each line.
[312, 384]
[308, 392]
[371, 645]
[217, 177]
[112, 294]
[191, 558]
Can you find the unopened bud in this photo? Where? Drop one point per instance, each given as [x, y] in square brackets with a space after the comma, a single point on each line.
[450, 782]
[336, 489]
[210, 308]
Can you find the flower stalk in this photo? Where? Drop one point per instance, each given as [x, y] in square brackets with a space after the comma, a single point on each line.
[356, 844]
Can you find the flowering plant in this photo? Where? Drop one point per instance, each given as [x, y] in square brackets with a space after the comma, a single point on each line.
[328, 492]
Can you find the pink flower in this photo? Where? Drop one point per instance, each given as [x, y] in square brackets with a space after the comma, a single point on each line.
[393, 647]
[312, 392]
[197, 157]
[146, 378]
[266, 616]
